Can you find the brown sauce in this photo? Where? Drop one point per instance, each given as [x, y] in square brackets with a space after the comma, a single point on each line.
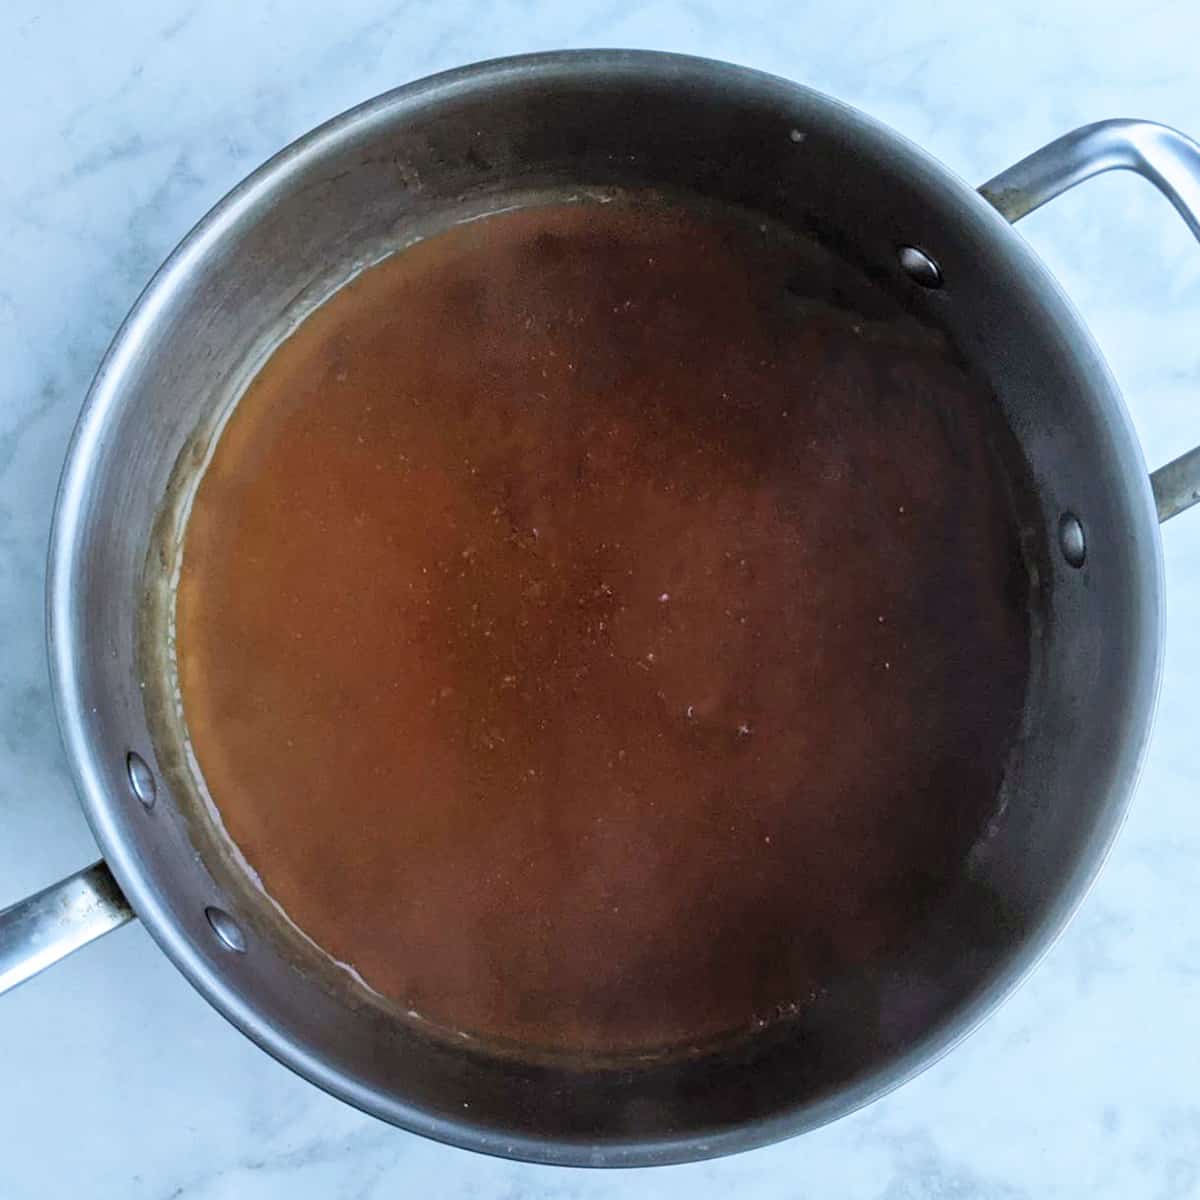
[595, 643]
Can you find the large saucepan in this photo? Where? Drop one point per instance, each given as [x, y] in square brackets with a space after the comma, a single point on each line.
[474, 139]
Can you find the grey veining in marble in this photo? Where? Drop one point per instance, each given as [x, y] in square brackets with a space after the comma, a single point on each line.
[123, 122]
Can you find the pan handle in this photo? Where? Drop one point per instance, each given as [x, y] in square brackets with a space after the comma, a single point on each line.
[39, 930]
[1158, 153]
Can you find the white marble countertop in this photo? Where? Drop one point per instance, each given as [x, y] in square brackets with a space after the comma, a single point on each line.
[123, 123]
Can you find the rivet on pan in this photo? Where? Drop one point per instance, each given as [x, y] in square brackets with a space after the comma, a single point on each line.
[1071, 540]
[141, 779]
[227, 930]
[919, 267]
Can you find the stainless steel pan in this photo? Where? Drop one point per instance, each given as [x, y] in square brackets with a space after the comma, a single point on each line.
[495, 134]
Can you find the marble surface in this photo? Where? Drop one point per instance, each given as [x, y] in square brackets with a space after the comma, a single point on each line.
[123, 123]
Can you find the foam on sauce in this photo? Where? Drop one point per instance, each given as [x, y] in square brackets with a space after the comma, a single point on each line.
[599, 636]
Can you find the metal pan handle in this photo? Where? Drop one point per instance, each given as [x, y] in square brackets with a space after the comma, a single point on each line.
[39, 930]
[1158, 153]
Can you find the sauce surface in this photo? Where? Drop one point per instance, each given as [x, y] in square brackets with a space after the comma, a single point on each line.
[596, 634]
